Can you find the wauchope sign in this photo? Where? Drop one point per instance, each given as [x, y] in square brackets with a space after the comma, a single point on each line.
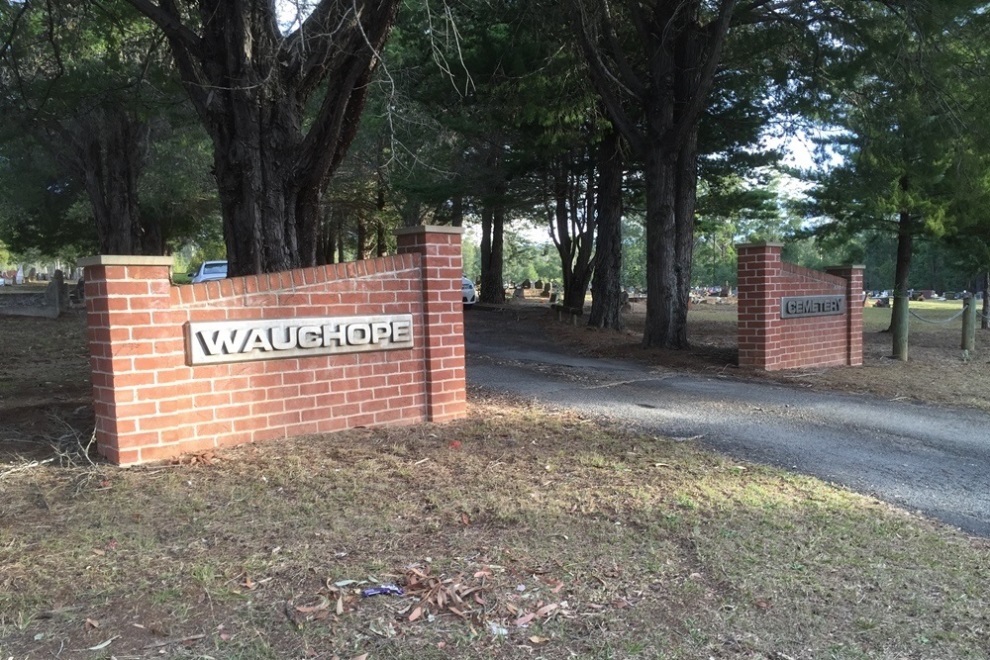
[265, 339]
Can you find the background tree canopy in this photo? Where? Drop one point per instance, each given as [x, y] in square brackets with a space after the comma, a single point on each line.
[645, 136]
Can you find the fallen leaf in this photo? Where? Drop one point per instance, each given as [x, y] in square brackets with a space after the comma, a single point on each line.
[465, 519]
[340, 604]
[455, 444]
[363, 656]
[536, 639]
[102, 645]
[526, 618]
[92, 623]
[249, 583]
[416, 613]
[546, 609]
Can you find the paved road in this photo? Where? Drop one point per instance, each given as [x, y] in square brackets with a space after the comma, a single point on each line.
[935, 460]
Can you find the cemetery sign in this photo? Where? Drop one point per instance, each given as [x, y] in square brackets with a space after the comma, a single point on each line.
[265, 339]
[802, 306]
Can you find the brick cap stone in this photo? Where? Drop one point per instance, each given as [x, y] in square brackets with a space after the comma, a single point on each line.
[123, 260]
[759, 244]
[429, 229]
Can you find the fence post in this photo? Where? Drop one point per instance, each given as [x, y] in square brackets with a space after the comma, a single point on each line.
[969, 323]
[899, 324]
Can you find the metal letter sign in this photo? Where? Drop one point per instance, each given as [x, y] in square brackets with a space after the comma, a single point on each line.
[812, 306]
[267, 339]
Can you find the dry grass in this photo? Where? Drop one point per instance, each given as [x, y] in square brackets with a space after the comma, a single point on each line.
[562, 537]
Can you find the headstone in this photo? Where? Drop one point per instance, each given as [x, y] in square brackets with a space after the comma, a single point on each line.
[527, 284]
[539, 284]
[546, 290]
[57, 294]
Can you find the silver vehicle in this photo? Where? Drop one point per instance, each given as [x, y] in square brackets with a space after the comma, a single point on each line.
[209, 270]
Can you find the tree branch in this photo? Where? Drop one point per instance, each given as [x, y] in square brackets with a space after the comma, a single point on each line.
[718, 30]
[166, 16]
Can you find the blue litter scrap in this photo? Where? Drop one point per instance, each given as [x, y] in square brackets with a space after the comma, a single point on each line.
[382, 590]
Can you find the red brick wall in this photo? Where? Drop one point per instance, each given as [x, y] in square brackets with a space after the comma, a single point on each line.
[151, 405]
[768, 341]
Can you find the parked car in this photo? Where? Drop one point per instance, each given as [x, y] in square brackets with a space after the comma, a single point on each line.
[468, 292]
[209, 270]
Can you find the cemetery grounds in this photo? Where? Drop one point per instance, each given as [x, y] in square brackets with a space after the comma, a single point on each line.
[516, 533]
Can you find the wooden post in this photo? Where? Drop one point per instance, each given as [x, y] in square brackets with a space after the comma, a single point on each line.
[900, 326]
[969, 323]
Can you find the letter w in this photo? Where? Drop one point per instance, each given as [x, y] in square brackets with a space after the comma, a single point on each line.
[223, 341]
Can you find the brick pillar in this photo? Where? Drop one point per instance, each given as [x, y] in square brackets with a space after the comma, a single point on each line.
[128, 300]
[854, 311]
[443, 316]
[759, 304]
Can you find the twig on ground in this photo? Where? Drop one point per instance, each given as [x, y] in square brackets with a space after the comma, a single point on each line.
[175, 640]
[24, 467]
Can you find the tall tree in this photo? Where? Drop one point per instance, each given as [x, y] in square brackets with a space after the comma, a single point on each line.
[902, 108]
[653, 63]
[87, 82]
[252, 82]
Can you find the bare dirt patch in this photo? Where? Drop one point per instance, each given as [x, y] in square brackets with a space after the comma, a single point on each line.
[45, 390]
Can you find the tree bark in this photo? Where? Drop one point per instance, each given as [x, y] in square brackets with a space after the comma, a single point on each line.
[606, 287]
[662, 298]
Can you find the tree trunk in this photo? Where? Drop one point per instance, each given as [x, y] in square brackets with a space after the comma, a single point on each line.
[362, 237]
[574, 231]
[106, 148]
[686, 194]
[662, 295]
[492, 235]
[606, 288]
[902, 271]
[327, 238]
